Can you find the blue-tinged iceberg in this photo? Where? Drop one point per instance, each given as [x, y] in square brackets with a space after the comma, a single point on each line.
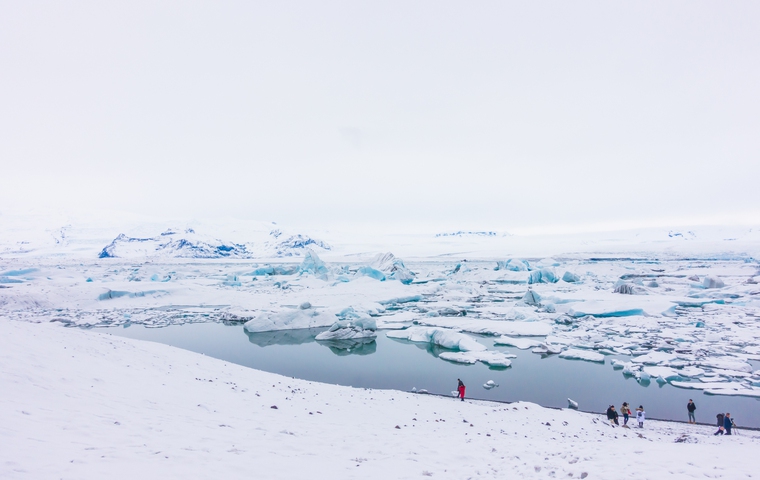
[392, 267]
[513, 264]
[303, 317]
[545, 275]
[313, 265]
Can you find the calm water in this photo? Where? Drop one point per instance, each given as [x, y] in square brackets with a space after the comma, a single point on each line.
[395, 364]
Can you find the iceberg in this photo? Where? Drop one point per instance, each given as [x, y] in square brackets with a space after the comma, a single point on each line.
[531, 298]
[289, 319]
[276, 270]
[570, 277]
[666, 373]
[490, 384]
[350, 329]
[629, 289]
[493, 359]
[443, 337]
[313, 265]
[711, 281]
[544, 275]
[727, 364]
[371, 272]
[513, 264]
[409, 299]
[393, 267]
[578, 354]
[521, 343]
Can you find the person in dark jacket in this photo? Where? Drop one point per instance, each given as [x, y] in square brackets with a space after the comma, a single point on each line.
[720, 431]
[460, 388]
[728, 423]
[691, 407]
[612, 415]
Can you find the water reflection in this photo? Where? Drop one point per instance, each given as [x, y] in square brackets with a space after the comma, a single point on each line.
[354, 346]
[284, 337]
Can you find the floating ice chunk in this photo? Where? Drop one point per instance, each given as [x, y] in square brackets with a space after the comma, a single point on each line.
[572, 404]
[548, 349]
[603, 310]
[110, 294]
[735, 392]
[617, 364]
[630, 370]
[439, 336]
[711, 281]
[490, 384]
[491, 327]
[289, 319]
[513, 264]
[570, 277]
[313, 265]
[544, 275]
[350, 329]
[372, 273]
[531, 298]
[655, 358]
[691, 371]
[494, 359]
[666, 373]
[276, 270]
[727, 364]
[629, 289]
[409, 299]
[578, 354]
[720, 388]
[521, 343]
[392, 266]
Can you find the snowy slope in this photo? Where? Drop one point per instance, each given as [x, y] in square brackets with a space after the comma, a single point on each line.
[79, 404]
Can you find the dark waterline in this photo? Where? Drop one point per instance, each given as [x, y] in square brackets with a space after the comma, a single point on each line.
[401, 365]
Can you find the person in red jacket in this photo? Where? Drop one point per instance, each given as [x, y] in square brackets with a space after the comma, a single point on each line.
[461, 389]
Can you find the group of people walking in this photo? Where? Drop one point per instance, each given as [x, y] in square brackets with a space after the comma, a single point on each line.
[625, 410]
[725, 422]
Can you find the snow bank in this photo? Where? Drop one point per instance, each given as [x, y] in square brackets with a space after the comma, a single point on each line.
[146, 410]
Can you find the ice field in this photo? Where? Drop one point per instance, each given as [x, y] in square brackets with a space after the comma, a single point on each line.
[656, 308]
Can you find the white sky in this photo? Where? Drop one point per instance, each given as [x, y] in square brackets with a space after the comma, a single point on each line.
[495, 115]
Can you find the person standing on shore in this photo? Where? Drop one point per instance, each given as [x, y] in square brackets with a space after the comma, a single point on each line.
[640, 416]
[626, 411]
[460, 389]
[691, 407]
[612, 415]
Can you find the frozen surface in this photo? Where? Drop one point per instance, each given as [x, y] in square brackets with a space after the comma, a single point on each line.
[695, 306]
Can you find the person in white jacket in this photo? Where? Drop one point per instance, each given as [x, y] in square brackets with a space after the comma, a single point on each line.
[640, 416]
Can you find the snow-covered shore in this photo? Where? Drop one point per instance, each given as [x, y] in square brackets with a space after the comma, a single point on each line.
[82, 404]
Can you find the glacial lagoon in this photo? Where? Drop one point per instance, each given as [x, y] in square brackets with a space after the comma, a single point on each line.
[387, 363]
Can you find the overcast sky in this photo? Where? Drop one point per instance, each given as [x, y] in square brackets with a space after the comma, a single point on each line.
[497, 115]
